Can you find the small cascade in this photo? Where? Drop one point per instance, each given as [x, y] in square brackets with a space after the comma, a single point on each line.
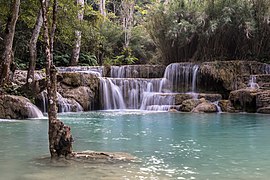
[64, 104]
[157, 101]
[182, 76]
[44, 100]
[34, 112]
[252, 82]
[219, 110]
[112, 97]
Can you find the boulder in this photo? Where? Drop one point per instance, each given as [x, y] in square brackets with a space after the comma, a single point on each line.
[179, 98]
[80, 86]
[206, 107]
[190, 104]
[243, 100]
[17, 107]
[82, 95]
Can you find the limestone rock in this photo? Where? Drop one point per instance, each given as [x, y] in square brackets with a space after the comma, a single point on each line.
[190, 104]
[223, 104]
[263, 99]
[179, 98]
[223, 76]
[206, 107]
[17, 107]
[81, 94]
[244, 100]
[210, 97]
[264, 110]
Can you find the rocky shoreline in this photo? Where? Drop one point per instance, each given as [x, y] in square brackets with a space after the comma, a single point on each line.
[232, 86]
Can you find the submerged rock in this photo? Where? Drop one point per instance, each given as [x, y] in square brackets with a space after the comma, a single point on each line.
[17, 107]
[102, 157]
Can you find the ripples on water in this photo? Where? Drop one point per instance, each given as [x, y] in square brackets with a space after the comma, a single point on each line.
[168, 145]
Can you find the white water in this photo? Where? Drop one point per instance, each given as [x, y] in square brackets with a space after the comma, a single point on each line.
[64, 104]
[123, 92]
[217, 106]
[252, 82]
[34, 112]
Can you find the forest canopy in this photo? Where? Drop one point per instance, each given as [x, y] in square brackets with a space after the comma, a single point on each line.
[117, 32]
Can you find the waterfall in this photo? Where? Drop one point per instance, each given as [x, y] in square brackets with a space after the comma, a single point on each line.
[217, 106]
[252, 82]
[182, 76]
[157, 101]
[122, 91]
[34, 112]
[64, 104]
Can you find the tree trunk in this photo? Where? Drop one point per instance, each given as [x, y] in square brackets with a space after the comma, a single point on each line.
[60, 139]
[7, 57]
[33, 49]
[102, 7]
[78, 35]
[127, 19]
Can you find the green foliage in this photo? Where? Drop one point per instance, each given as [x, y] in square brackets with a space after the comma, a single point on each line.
[210, 30]
[87, 60]
[61, 59]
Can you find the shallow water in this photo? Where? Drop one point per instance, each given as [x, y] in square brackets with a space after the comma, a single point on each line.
[169, 146]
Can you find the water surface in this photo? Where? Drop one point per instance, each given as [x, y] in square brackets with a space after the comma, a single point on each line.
[169, 146]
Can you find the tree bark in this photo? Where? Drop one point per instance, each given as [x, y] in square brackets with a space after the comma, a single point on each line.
[102, 7]
[78, 35]
[60, 138]
[127, 19]
[7, 57]
[33, 49]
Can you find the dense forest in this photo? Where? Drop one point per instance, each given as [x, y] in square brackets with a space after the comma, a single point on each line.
[116, 32]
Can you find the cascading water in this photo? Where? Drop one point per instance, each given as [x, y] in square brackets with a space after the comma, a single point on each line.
[182, 77]
[64, 104]
[252, 82]
[34, 112]
[123, 92]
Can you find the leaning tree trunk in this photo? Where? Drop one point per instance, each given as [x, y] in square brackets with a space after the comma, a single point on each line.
[78, 35]
[60, 139]
[33, 49]
[7, 56]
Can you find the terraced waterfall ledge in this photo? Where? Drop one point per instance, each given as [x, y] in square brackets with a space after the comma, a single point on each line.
[227, 86]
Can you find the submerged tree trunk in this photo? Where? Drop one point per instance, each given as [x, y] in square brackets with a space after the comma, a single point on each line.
[60, 139]
[7, 57]
[33, 49]
[78, 35]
